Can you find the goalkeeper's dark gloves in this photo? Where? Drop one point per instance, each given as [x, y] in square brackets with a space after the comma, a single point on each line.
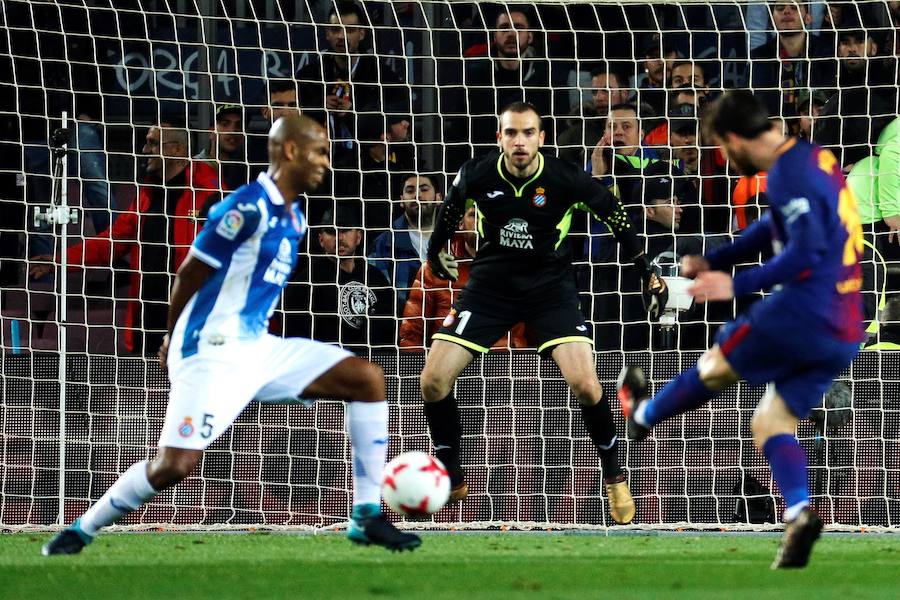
[444, 265]
[654, 291]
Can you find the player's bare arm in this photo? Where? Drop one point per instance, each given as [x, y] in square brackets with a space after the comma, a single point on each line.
[190, 278]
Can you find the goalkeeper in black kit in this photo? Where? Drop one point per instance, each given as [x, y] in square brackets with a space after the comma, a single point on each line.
[523, 273]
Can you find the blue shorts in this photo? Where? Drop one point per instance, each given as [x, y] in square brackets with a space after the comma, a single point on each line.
[802, 366]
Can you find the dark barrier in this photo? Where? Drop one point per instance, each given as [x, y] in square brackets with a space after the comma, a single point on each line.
[527, 456]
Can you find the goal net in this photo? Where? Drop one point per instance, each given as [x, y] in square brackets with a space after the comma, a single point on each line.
[167, 106]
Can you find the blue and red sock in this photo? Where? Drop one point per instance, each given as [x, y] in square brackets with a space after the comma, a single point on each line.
[788, 462]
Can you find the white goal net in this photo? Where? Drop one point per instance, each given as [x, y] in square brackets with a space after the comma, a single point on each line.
[165, 106]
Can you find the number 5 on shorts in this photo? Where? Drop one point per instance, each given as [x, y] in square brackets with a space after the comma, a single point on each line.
[463, 319]
[207, 426]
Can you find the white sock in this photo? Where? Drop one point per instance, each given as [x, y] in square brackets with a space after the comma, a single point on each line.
[792, 512]
[128, 492]
[368, 424]
[639, 414]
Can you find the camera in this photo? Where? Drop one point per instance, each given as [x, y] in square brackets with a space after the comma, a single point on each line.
[59, 137]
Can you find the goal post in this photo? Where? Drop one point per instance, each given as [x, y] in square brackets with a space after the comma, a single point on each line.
[167, 106]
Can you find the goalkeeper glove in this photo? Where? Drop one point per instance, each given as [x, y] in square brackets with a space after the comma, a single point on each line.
[654, 291]
[444, 265]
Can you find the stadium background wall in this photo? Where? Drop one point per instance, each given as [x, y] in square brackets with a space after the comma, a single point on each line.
[529, 460]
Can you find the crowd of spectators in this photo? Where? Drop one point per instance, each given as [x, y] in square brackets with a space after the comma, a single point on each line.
[827, 71]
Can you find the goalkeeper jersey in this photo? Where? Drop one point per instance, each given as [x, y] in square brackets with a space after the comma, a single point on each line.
[251, 240]
[523, 223]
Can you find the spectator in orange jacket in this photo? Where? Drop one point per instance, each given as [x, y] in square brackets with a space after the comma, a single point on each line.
[156, 232]
[430, 299]
[749, 200]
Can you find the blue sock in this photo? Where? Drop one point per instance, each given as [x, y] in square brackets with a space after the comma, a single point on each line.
[788, 462]
[685, 392]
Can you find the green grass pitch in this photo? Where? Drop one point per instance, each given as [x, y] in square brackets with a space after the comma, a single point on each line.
[448, 565]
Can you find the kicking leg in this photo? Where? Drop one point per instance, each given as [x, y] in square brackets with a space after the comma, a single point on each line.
[140, 483]
[692, 389]
[445, 362]
[773, 428]
[361, 384]
[576, 363]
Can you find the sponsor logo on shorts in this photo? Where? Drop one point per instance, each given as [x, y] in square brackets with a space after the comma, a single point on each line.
[230, 225]
[581, 327]
[540, 199]
[186, 429]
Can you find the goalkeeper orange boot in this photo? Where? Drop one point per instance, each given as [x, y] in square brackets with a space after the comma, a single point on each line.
[632, 390]
[797, 541]
[459, 492]
[459, 489]
[621, 504]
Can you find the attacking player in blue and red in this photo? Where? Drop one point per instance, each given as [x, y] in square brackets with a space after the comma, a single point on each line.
[800, 336]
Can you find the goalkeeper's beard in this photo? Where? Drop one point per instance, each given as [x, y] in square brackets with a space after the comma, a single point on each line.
[513, 161]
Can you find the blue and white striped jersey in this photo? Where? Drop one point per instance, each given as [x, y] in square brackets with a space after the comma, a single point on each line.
[251, 240]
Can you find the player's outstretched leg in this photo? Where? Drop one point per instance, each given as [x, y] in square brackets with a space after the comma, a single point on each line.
[632, 392]
[692, 389]
[446, 361]
[361, 383]
[141, 482]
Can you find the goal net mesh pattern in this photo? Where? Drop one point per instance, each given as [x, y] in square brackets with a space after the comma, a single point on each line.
[83, 396]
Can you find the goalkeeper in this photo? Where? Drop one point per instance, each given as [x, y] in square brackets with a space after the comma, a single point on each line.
[523, 272]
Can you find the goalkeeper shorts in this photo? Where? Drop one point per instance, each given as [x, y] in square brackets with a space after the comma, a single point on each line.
[211, 388]
[477, 320]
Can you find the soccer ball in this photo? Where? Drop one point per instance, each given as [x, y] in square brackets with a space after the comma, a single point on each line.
[415, 484]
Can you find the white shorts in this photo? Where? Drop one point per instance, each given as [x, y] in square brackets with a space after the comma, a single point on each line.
[211, 388]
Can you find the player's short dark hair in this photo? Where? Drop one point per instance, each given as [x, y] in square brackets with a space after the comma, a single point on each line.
[694, 65]
[523, 107]
[604, 69]
[858, 35]
[436, 179]
[519, 8]
[738, 112]
[348, 7]
[633, 108]
[625, 106]
[278, 86]
[803, 5]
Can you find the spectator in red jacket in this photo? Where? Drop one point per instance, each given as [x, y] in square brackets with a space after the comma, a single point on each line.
[156, 232]
[431, 298]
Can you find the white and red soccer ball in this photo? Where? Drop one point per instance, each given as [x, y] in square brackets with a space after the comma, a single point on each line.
[415, 484]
